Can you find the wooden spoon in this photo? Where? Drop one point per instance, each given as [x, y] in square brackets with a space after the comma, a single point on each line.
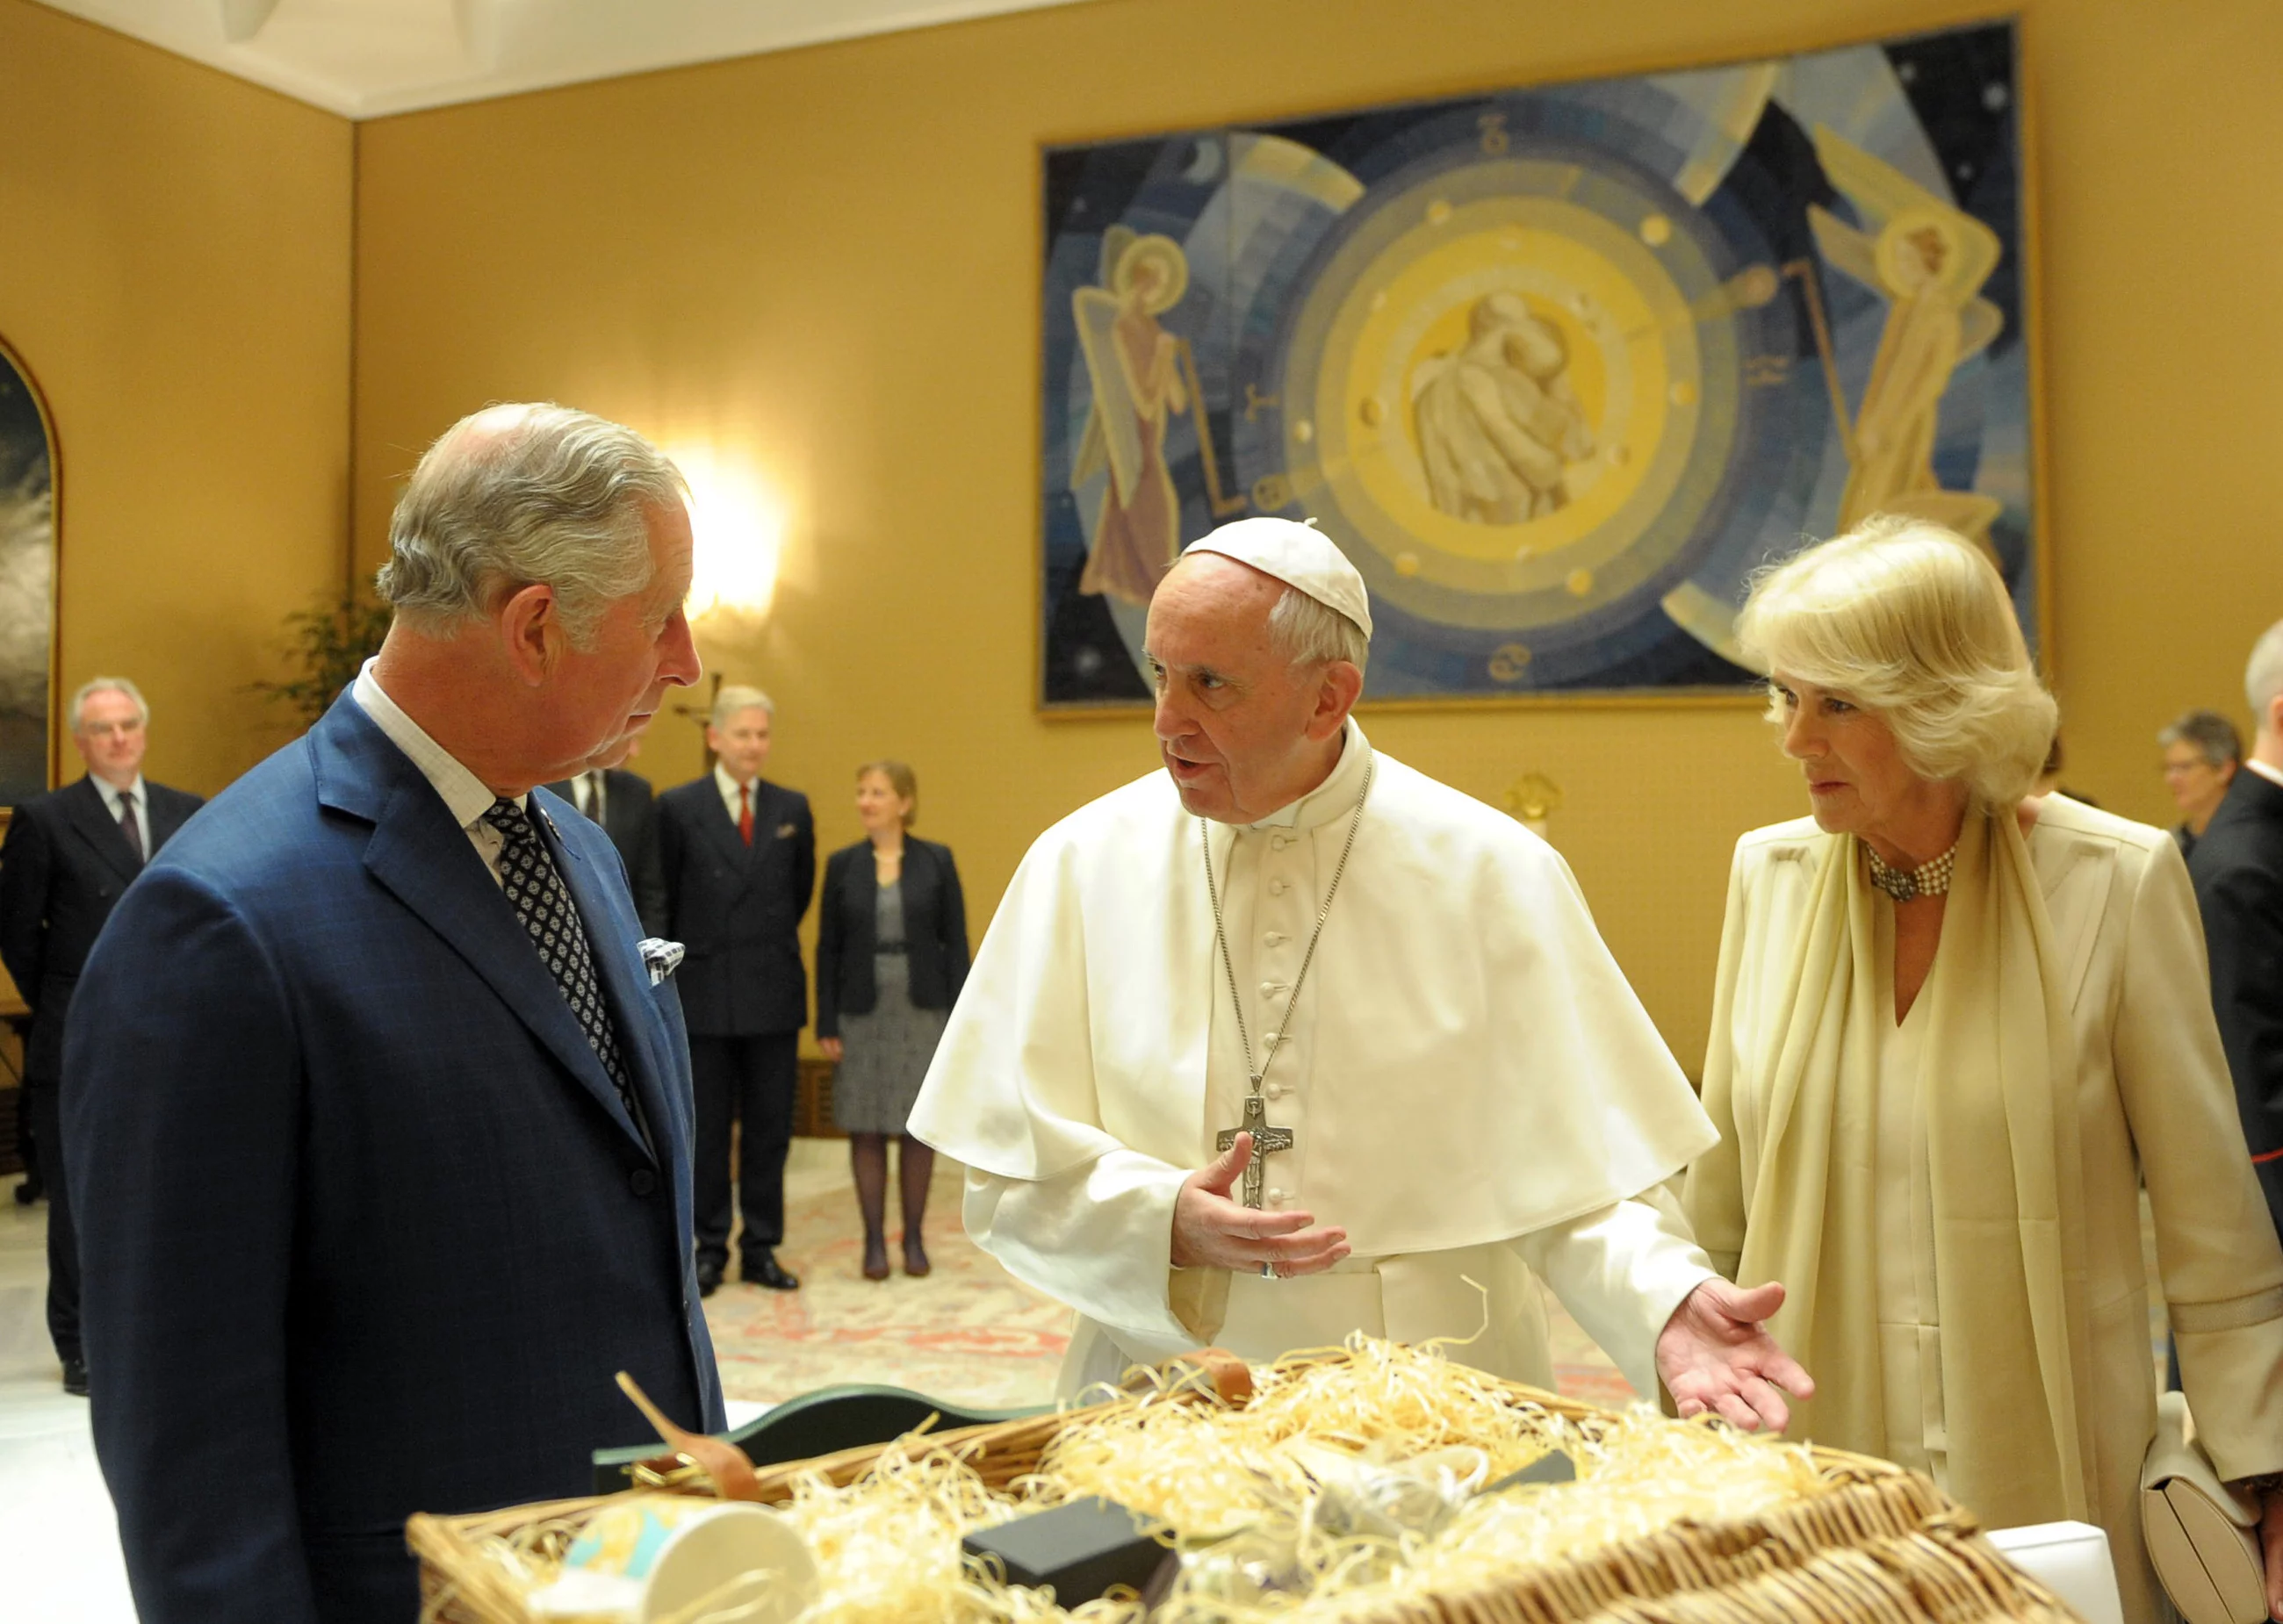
[723, 1461]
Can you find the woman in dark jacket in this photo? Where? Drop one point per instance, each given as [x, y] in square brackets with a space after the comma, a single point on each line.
[891, 956]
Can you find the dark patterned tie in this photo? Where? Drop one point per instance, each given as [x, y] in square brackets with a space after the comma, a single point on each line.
[128, 826]
[542, 902]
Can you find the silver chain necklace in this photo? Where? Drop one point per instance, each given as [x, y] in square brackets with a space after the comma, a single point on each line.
[1268, 1140]
[1903, 884]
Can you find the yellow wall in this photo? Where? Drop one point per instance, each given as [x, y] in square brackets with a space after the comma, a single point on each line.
[827, 262]
[175, 269]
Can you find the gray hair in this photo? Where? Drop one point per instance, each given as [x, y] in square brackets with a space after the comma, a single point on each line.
[107, 685]
[1911, 622]
[2263, 678]
[1306, 630]
[735, 697]
[524, 495]
[2212, 735]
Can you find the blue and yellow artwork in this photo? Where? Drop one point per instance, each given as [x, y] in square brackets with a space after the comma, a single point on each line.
[27, 576]
[1558, 367]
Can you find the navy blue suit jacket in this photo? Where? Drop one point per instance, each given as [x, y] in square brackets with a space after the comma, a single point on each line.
[737, 908]
[2238, 868]
[367, 1229]
[63, 868]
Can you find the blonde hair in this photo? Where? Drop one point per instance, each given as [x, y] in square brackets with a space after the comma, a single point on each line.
[901, 780]
[1911, 622]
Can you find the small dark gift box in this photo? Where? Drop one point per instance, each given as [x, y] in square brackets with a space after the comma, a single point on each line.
[1080, 1550]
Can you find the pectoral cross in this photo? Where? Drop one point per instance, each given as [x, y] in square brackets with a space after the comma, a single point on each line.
[1265, 1142]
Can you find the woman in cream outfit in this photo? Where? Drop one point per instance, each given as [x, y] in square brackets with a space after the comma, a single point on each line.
[1954, 1031]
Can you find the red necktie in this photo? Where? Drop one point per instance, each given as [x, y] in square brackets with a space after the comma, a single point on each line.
[745, 812]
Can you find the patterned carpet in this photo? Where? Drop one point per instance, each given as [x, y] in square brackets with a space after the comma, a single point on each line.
[969, 1332]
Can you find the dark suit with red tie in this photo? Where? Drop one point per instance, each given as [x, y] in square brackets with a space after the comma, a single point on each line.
[737, 907]
[66, 864]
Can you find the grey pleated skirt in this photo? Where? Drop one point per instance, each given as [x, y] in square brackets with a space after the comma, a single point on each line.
[885, 1050]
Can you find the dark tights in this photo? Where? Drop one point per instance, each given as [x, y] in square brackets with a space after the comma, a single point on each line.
[868, 1154]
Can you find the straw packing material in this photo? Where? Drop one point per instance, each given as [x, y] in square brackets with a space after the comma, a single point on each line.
[1208, 1471]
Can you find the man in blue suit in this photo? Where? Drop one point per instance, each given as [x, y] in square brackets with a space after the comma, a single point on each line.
[382, 1120]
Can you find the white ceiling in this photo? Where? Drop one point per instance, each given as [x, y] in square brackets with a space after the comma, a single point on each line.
[363, 58]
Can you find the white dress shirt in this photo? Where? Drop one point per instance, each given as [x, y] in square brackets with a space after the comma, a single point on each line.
[466, 795]
[730, 786]
[2273, 775]
[589, 792]
[111, 792]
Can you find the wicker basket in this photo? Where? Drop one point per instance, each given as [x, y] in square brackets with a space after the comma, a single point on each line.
[1880, 1544]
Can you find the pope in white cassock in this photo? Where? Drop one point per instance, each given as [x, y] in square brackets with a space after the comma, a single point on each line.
[1289, 978]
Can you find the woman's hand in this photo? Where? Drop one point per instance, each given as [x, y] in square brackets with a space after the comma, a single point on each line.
[830, 1047]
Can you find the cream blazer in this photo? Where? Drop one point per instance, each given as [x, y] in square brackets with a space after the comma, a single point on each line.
[2155, 1106]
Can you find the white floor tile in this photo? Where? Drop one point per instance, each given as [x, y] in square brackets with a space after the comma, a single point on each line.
[60, 1558]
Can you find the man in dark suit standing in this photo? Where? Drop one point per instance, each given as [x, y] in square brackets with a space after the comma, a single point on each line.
[618, 798]
[739, 856]
[380, 1119]
[2238, 869]
[69, 856]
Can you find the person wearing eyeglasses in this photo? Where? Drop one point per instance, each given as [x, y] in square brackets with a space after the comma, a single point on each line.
[70, 856]
[2202, 753]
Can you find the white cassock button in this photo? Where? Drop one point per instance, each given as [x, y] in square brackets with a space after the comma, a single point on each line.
[1268, 989]
[1272, 1036]
[1274, 938]
[1277, 843]
[1277, 888]
[1276, 1198]
[1276, 1090]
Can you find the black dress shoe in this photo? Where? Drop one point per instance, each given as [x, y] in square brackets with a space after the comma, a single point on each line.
[76, 1378]
[30, 1190]
[709, 1278]
[766, 1271]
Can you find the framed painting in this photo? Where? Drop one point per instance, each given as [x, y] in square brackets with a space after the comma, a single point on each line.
[1556, 367]
[28, 480]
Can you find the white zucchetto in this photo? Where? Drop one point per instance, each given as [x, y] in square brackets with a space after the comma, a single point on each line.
[1300, 555]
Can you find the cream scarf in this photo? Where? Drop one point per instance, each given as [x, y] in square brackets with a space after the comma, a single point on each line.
[2000, 1081]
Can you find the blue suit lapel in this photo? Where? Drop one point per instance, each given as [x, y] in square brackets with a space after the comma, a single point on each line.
[428, 863]
[611, 933]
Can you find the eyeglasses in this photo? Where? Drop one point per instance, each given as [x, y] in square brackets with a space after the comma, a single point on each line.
[109, 730]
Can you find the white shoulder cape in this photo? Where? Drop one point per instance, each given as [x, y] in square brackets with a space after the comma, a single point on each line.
[1482, 1070]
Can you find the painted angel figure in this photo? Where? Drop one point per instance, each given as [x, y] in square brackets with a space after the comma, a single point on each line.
[1929, 258]
[1498, 424]
[1134, 364]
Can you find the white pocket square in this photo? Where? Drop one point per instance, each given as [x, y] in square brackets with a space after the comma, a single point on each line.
[660, 957]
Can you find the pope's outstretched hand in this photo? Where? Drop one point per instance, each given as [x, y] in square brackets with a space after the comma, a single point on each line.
[1212, 1230]
[1714, 1354]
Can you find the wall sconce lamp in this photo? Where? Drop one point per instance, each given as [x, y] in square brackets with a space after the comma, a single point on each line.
[737, 529]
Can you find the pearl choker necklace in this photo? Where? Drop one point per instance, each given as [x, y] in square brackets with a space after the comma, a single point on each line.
[1903, 884]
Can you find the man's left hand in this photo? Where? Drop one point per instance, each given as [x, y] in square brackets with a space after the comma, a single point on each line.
[1713, 1354]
